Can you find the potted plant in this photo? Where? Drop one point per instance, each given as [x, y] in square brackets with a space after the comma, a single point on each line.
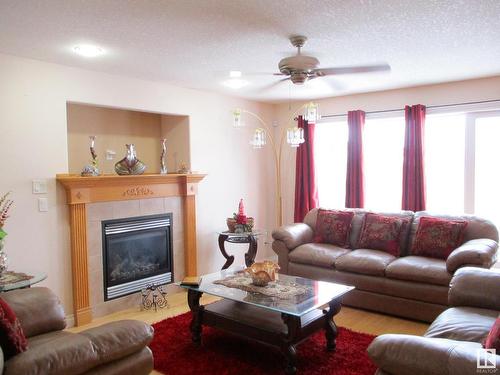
[5, 205]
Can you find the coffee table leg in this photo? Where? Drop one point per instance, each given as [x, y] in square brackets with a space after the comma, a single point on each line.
[222, 248]
[252, 251]
[330, 326]
[288, 347]
[197, 311]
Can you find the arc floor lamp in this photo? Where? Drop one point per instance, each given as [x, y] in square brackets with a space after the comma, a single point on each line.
[264, 134]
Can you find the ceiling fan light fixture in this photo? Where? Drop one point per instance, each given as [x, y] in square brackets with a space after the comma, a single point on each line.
[88, 50]
[234, 74]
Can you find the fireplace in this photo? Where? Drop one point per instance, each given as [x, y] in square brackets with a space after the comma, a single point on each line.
[137, 251]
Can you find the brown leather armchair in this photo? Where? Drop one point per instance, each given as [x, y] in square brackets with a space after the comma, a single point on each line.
[450, 345]
[112, 349]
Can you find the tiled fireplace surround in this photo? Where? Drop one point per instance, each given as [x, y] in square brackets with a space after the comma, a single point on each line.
[96, 213]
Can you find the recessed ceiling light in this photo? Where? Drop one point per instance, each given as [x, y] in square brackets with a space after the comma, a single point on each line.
[235, 74]
[235, 83]
[88, 50]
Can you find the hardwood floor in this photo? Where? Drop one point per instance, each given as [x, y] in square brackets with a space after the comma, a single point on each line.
[357, 320]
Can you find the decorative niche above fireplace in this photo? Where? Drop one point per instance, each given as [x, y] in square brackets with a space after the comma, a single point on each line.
[137, 251]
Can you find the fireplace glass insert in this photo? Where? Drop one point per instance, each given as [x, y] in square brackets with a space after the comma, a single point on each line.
[137, 251]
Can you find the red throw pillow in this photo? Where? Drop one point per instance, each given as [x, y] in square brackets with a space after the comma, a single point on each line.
[333, 227]
[493, 339]
[437, 238]
[12, 339]
[381, 232]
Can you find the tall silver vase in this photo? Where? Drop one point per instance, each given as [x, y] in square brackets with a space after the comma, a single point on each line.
[3, 258]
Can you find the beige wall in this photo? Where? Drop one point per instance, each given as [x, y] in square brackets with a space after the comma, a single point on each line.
[34, 144]
[446, 93]
[113, 129]
[175, 129]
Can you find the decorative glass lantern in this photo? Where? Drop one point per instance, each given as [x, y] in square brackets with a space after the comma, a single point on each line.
[259, 138]
[295, 136]
[311, 113]
[237, 118]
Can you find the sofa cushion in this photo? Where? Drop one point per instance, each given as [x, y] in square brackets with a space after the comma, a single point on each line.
[365, 261]
[380, 232]
[54, 353]
[12, 339]
[333, 227]
[493, 339]
[463, 324]
[437, 238]
[419, 269]
[317, 254]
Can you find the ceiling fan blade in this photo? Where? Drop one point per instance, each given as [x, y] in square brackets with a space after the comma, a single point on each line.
[336, 85]
[352, 69]
[274, 84]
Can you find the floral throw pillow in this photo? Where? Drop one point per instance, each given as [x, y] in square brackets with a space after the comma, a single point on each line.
[381, 232]
[333, 227]
[12, 339]
[437, 238]
[493, 339]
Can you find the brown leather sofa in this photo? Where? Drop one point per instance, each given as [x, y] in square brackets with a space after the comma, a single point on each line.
[408, 286]
[450, 345]
[118, 348]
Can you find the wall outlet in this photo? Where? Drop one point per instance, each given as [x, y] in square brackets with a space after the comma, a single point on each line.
[39, 186]
[43, 205]
[110, 154]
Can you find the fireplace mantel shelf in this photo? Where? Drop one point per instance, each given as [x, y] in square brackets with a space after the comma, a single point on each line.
[113, 187]
[81, 191]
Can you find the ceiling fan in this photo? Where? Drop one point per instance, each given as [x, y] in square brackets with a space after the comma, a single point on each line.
[302, 68]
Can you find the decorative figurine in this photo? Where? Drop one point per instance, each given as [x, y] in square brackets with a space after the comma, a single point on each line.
[91, 169]
[163, 169]
[240, 223]
[130, 165]
[183, 169]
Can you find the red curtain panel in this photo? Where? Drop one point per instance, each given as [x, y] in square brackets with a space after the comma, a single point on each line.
[354, 193]
[306, 191]
[413, 164]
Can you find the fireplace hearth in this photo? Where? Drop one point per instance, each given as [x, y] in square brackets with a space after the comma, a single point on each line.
[137, 252]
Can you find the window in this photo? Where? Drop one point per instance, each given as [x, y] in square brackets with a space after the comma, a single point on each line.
[444, 162]
[487, 162]
[462, 158]
[330, 149]
[383, 143]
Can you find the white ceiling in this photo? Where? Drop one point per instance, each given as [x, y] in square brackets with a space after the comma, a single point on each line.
[194, 43]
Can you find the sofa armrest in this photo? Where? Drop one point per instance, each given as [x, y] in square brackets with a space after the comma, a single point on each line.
[480, 252]
[1, 361]
[119, 339]
[294, 235]
[415, 355]
[475, 287]
[38, 310]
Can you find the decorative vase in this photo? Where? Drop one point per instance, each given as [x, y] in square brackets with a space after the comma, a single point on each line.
[262, 273]
[91, 169]
[3, 259]
[163, 165]
[130, 165]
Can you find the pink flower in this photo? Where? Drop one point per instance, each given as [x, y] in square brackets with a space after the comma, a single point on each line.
[241, 219]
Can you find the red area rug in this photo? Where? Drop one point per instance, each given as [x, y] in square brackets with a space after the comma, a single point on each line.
[225, 354]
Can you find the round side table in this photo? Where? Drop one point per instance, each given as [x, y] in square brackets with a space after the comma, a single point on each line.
[11, 280]
[246, 237]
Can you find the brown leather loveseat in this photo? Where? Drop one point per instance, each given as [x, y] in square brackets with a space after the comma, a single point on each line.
[409, 286]
[453, 343]
[118, 348]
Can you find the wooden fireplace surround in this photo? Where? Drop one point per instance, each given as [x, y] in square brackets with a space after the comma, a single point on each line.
[83, 190]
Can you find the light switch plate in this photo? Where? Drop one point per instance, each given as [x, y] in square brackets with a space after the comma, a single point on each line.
[43, 204]
[39, 186]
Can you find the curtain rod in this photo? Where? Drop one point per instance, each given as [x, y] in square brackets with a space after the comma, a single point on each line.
[430, 106]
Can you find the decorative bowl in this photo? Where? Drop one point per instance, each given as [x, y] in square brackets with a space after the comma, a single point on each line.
[233, 226]
[263, 272]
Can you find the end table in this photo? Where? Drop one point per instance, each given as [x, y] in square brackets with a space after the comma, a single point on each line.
[245, 237]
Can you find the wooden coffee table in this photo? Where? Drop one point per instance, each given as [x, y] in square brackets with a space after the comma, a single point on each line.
[281, 323]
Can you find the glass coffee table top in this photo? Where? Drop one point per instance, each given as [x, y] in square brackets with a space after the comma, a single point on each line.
[318, 294]
[9, 282]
